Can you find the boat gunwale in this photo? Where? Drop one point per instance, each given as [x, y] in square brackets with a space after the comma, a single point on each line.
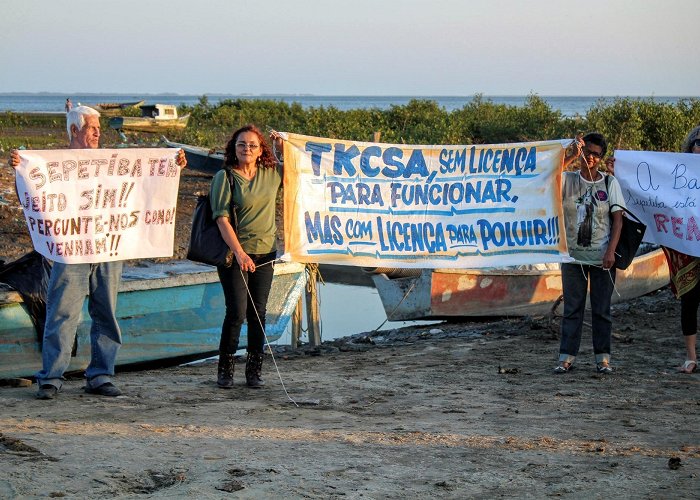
[189, 274]
[638, 260]
[198, 150]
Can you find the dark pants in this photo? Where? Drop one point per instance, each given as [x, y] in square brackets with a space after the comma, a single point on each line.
[574, 279]
[240, 307]
[690, 301]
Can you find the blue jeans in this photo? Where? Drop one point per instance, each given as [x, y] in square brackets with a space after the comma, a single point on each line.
[68, 286]
[239, 306]
[575, 279]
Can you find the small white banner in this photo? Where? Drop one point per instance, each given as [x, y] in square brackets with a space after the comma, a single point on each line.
[99, 205]
[662, 189]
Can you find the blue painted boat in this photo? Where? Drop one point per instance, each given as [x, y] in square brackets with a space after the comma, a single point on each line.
[169, 311]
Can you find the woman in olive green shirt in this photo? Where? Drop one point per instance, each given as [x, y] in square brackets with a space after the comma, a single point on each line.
[243, 204]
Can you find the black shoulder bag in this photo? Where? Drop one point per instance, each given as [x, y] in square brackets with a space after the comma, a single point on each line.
[206, 243]
[630, 236]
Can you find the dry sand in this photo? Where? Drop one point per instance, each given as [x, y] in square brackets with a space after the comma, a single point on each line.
[471, 411]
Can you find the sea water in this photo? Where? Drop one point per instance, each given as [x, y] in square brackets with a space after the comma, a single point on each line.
[50, 102]
[347, 310]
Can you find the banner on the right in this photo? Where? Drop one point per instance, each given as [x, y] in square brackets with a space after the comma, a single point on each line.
[663, 190]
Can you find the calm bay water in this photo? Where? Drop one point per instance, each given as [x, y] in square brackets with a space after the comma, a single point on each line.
[339, 320]
[46, 103]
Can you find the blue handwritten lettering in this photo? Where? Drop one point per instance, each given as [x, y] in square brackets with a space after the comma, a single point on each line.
[358, 229]
[462, 234]
[391, 158]
[411, 237]
[511, 161]
[355, 194]
[343, 159]
[366, 168]
[317, 149]
[516, 233]
[327, 233]
[644, 202]
[451, 193]
[681, 181]
[644, 180]
[451, 160]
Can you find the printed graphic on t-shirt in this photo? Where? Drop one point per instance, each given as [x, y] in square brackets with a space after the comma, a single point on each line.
[586, 206]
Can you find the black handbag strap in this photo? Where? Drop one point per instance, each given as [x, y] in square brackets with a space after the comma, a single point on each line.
[234, 207]
[607, 188]
[632, 216]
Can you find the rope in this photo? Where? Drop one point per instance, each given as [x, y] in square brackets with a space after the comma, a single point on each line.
[262, 327]
[397, 305]
[585, 276]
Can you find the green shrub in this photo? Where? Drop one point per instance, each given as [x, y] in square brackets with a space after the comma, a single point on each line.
[640, 124]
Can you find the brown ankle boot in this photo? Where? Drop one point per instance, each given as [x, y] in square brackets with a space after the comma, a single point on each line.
[253, 370]
[224, 377]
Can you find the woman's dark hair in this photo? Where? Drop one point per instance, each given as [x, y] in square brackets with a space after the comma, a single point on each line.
[266, 159]
[687, 146]
[597, 139]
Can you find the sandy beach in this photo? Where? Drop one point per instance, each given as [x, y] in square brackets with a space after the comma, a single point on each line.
[454, 411]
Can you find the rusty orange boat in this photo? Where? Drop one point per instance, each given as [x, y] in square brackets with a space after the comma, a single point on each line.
[512, 291]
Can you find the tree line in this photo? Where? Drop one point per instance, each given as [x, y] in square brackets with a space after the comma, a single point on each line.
[628, 123]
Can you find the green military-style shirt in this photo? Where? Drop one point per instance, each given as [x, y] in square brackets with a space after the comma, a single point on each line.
[255, 202]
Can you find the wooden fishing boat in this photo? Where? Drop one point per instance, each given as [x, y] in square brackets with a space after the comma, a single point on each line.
[170, 311]
[113, 108]
[204, 160]
[154, 118]
[456, 293]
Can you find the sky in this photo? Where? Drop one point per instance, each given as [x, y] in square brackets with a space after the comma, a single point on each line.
[352, 47]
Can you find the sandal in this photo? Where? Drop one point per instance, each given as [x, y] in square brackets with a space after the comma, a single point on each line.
[686, 368]
[603, 368]
[563, 367]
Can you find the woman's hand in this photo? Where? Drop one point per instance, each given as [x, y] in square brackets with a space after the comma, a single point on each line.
[277, 146]
[615, 230]
[181, 159]
[610, 165]
[245, 262]
[609, 259]
[14, 160]
[573, 151]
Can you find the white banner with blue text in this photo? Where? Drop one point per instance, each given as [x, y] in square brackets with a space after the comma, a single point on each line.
[373, 204]
[99, 205]
[662, 190]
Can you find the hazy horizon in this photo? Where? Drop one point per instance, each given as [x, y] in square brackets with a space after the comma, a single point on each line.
[248, 94]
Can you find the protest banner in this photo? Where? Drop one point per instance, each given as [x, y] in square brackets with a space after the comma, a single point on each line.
[662, 190]
[99, 205]
[372, 204]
